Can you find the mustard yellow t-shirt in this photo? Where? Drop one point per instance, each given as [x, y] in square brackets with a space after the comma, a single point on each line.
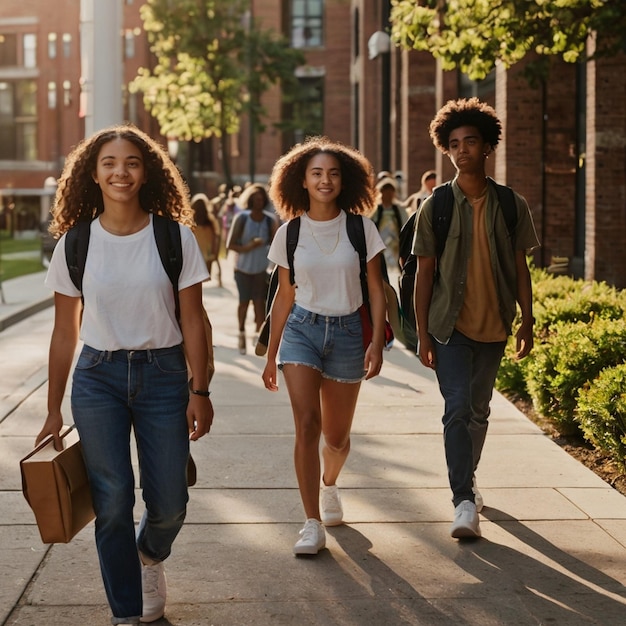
[479, 318]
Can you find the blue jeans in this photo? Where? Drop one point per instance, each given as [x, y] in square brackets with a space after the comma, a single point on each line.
[112, 392]
[466, 371]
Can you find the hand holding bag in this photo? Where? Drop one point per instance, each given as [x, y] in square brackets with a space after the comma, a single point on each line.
[56, 487]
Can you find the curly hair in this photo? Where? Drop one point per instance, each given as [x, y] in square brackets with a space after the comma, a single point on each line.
[78, 197]
[289, 197]
[465, 112]
[245, 199]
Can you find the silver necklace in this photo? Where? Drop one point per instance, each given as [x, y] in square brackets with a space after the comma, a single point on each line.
[322, 250]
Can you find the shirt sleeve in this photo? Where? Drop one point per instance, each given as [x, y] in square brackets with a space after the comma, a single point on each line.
[278, 250]
[424, 238]
[373, 241]
[525, 233]
[194, 267]
[58, 276]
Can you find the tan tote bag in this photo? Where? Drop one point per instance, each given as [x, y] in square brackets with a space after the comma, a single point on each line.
[56, 487]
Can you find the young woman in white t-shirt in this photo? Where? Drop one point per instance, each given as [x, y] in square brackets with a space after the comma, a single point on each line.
[132, 371]
[315, 331]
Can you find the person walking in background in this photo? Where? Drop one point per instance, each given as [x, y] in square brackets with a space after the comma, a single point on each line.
[207, 232]
[428, 182]
[389, 217]
[229, 209]
[465, 300]
[132, 371]
[316, 321]
[250, 236]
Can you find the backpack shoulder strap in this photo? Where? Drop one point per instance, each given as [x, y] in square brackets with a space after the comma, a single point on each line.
[396, 212]
[378, 216]
[236, 228]
[293, 233]
[169, 245]
[506, 198]
[76, 246]
[406, 237]
[356, 235]
[443, 203]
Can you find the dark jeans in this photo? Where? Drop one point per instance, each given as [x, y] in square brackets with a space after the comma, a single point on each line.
[466, 371]
[145, 390]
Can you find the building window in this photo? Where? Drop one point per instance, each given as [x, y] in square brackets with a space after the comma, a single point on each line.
[8, 50]
[18, 120]
[30, 50]
[129, 44]
[52, 95]
[52, 45]
[482, 89]
[306, 23]
[67, 45]
[67, 93]
[304, 110]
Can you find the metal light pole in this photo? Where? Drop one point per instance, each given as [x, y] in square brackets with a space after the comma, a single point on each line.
[379, 44]
[101, 63]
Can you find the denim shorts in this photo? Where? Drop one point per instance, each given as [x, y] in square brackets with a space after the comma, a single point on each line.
[332, 345]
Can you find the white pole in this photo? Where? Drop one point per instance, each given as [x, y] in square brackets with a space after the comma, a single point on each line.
[101, 63]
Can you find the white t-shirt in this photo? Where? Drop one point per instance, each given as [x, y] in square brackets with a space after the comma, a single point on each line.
[128, 297]
[326, 265]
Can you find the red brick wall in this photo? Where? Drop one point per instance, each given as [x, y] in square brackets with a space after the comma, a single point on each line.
[417, 88]
[59, 128]
[605, 243]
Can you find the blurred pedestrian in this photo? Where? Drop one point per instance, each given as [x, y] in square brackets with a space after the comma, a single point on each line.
[132, 372]
[428, 182]
[208, 232]
[389, 217]
[250, 236]
[230, 208]
[316, 321]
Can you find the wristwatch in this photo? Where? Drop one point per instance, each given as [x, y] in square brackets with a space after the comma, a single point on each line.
[198, 392]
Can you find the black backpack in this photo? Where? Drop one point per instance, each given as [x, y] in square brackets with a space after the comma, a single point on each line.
[356, 235]
[169, 245]
[443, 204]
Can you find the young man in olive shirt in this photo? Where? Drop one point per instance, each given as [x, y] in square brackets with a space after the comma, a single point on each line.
[465, 302]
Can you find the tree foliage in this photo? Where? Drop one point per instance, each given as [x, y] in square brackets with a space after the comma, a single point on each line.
[212, 65]
[472, 35]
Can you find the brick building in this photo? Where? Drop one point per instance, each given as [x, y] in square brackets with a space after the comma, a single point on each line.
[563, 146]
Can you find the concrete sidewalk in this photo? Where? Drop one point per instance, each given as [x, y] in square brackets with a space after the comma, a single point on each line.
[554, 534]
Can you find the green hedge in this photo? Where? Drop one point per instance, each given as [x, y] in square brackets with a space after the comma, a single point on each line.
[601, 412]
[580, 343]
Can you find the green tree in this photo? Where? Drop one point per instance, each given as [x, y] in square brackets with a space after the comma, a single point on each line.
[472, 35]
[212, 65]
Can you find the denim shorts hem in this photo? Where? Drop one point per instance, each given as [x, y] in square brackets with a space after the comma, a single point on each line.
[325, 375]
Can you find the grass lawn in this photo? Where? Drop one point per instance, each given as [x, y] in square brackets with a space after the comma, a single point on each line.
[14, 267]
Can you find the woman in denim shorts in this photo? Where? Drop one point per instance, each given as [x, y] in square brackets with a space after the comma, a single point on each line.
[315, 332]
[131, 374]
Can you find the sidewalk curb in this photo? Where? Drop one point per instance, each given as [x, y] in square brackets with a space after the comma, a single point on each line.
[27, 311]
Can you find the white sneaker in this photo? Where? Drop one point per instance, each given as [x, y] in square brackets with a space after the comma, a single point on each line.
[478, 498]
[465, 523]
[154, 588]
[332, 511]
[312, 538]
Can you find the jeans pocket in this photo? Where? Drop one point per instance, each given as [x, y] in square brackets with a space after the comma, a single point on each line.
[297, 317]
[89, 358]
[171, 362]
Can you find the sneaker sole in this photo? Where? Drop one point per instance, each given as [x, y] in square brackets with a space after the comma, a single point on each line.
[464, 532]
[332, 522]
[307, 550]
